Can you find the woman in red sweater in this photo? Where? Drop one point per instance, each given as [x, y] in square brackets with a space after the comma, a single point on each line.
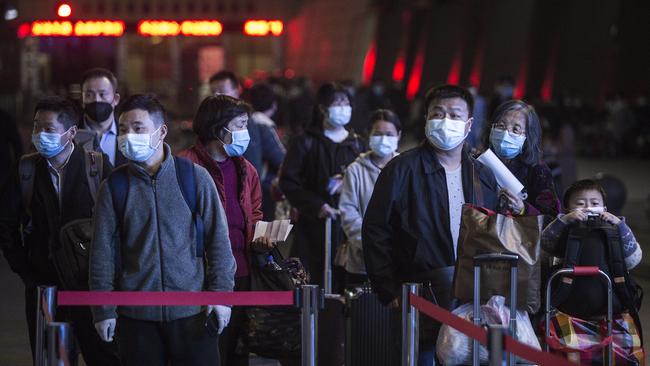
[221, 124]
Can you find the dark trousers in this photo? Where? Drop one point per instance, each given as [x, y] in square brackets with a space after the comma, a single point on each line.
[178, 342]
[93, 349]
[232, 343]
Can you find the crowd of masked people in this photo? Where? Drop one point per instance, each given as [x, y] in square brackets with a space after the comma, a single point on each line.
[103, 181]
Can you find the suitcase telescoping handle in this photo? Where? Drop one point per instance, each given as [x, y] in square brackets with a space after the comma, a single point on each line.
[581, 271]
[327, 267]
[480, 259]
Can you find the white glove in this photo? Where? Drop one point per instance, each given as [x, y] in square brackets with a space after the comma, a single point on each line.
[223, 314]
[106, 329]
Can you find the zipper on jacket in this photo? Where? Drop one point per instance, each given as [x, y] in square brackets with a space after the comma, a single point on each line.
[160, 254]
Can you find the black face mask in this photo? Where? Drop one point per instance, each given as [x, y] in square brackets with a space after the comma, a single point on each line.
[98, 111]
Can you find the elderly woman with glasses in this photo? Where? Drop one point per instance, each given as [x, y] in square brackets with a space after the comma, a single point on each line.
[515, 137]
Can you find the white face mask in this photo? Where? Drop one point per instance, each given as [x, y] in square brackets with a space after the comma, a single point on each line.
[340, 115]
[445, 134]
[137, 146]
[383, 146]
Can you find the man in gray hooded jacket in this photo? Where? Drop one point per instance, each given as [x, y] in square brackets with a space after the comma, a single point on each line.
[153, 248]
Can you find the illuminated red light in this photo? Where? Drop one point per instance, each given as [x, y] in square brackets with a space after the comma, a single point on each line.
[64, 10]
[263, 27]
[159, 28]
[369, 64]
[24, 30]
[201, 28]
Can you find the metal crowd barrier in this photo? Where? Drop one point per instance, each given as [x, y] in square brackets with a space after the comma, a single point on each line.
[54, 340]
[55, 345]
[410, 332]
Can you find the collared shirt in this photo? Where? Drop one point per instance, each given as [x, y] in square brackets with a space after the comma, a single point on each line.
[57, 175]
[107, 142]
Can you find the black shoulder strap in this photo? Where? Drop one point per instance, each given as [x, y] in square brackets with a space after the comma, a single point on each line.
[621, 280]
[187, 181]
[571, 258]
[478, 191]
[94, 171]
[118, 181]
[26, 171]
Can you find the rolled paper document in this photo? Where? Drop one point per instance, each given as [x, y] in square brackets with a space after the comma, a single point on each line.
[505, 178]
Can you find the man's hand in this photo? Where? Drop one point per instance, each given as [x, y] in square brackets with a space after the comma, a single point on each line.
[223, 315]
[106, 329]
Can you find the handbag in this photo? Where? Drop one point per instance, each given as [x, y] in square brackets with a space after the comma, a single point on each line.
[484, 231]
[585, 341]
[275, 331]
[70, 255]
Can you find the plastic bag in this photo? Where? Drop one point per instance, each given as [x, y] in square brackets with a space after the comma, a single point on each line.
[454, 348]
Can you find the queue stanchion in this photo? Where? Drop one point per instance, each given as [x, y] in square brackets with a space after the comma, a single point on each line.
[45, 313]
[410, 320]
[310, 301]
[60, 345]
[496, 343]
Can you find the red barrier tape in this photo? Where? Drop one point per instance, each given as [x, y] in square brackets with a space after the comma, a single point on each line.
[142, 298]
[511, 345]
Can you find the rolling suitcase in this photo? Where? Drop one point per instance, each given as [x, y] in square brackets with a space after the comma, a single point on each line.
[331, 318]
[372, 330]
[479, 260]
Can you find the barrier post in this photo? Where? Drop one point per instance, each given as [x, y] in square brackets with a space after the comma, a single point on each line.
[495, 345]
[476, 346]
[45, 312]
[60, 345]
[309, 302]
[410, 319]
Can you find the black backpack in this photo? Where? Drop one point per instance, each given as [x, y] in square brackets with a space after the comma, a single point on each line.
[596, 243]
[118, 181]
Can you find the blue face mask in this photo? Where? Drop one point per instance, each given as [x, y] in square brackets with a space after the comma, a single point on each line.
[49, 144]
[505, 144]
[239, 144]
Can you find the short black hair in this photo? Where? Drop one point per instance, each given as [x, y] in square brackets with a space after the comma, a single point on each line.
[448, 92]
[145, 102]
[99, 72]
[385, 115]
[262, 97]
[225, 75]
[67, 112]
[214, 113]
[581, 186]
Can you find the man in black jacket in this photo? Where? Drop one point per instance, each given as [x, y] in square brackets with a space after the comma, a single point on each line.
[411, 227]
[31, 216]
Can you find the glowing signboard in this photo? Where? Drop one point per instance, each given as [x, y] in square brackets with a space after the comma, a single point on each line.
[263, 27]
[81, 28]
[148, 28]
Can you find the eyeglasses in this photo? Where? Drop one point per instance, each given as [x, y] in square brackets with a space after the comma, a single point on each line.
[515, 130]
